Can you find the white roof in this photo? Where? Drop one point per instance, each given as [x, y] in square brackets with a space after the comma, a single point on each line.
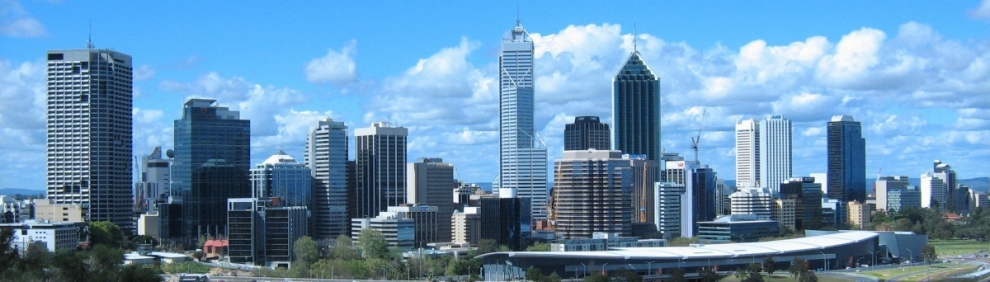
[168, 255]
[719, 250]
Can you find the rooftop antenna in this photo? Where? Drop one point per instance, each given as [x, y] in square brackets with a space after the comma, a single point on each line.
[635, 35]
[89, 43]
[518, 21]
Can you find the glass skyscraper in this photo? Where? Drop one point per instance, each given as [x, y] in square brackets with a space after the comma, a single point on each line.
[326, 156]
[587, 132]
[522, 156]
[636, 109]
[212, 162]
[380, 169]
[89, 135]
[281, 176]
[846, 160]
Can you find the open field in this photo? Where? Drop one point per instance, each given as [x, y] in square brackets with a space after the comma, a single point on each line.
[785, 277]
[920, 276]
[958, 247]
[891, 272]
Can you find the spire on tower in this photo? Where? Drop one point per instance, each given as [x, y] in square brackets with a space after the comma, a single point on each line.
[635, 35]
[518, 21]
[89, 43]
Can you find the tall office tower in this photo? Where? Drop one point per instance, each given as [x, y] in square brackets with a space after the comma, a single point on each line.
[846, 160]
[89, 146]
[211, 165]
[326, 156]
[775, 152]
[748, 154]
[587, 132]
[670, 216]
[380, 168]
[430, 182]
[961, 199]
[592, 193]
[933, 192]
[884, 186]
[808, 214]
[644, 176]
[152, 188]
[281, 176]
[522, 156]
[752, 201]
[699, 192]
[956, 200]
[636, 109]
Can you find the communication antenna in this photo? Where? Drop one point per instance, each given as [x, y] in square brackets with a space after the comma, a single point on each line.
[635, 35]
[89, 43]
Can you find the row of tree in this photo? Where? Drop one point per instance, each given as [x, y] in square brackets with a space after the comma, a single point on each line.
[933, 223]
[101, 263]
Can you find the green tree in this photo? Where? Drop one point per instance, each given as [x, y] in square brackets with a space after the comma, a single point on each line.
[798, 267]
[305, 249]
[554, 277]
[928, 254]
[538, 247]
[707, 275]
[373, 244]
[486, 246]
[597, 277]
[808, 276]
[198, 255]
[139, 273]
[343, 248]
[533, 274]
[769, 265]
[677, 275]
[754, 269]
[105, 233]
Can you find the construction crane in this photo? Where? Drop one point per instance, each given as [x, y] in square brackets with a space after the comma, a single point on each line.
[642, 198]
[697, 138]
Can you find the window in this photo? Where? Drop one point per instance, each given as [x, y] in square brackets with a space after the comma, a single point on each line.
[55, 57]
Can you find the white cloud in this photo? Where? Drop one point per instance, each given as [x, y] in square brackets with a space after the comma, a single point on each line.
[146, 116]
[982, 11]
[337, 68]
[17, 22]
[144, 72]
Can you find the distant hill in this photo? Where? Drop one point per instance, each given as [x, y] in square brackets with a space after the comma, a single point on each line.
[21, 191]
[981, 184]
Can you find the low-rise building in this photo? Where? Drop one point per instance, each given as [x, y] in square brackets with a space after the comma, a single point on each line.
[601, 241]
[466, 226]
[398, 231]
[425, 218]
[860, 214]
[54, 236]
[737, 228]
[44, 209]
[784, 212]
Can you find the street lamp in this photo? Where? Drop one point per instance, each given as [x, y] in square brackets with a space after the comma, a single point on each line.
[857, 261]
[585, 273]
[649, 268]
[826, 260]
[603, 268]
[874, 258]
[911, 258]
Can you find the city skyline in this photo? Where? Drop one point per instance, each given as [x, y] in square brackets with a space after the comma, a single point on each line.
[927, 97]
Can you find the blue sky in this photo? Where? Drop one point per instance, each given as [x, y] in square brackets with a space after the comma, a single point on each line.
[917, 75]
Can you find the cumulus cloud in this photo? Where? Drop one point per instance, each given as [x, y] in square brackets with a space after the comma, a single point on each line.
[17, 22]
[144, 72]
[981, 12]
[337, 68]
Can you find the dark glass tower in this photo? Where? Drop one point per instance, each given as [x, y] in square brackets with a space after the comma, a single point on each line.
[846, 160]
[636, 109]
[212, 162]
[587, 132]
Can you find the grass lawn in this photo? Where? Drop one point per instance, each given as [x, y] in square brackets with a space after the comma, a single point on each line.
[784, 277]
[891, 272]
[918, 277]
[958, 247]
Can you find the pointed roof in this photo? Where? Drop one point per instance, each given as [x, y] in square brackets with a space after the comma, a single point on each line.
[517, 34]
[280, 158]
[635, 59]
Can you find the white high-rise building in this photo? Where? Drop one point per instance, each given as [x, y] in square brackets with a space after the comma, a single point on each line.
[89, 133]
[380, 169]
[763, 153]
[747, 154]
[153, 186]
[326, 156]
[775, 152]
[752, 201]
[933, 191]
[522, 155]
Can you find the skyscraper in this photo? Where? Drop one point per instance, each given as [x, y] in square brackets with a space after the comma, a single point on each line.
[326, 156]
[775, 152]
[522, 156]
[587, 132]
[747, 154]
[152, 187]
[846, 160]
[380, 169]
[89, 145]
[431, 182]
[592, 191]
[636, 109]
[698, 199]
[934, 193]
[281, 176]
[211, 165]
[763, 153]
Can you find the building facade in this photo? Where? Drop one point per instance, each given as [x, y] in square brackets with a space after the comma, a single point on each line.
[884, 185]
[636, 109]
[89, 133]
[737, 228]
[808, 193]
[860, 214]
[281, 176]
[934, 193]
[670, 215]
[153, 186]
[326, 155]
[53, 236]
[644, 177]
[426, 221]
[431, 182]
[380, 169]
[263, 231]
[47, 210]
[506, 221]
[898, 199]
[398, 231]
[522, 154]
[211, 165]
[784, 212]
[593, 193]
[846, 160]
[747, 154]
[775, 154]
[752, 201]
[587, 132]
[466, 226]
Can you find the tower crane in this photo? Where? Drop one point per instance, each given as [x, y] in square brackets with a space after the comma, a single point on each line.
[697, 138]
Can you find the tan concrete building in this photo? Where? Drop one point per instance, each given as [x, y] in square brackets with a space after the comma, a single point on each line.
[784, 211]
[44, 209]
[466, 226]
[860, 214]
